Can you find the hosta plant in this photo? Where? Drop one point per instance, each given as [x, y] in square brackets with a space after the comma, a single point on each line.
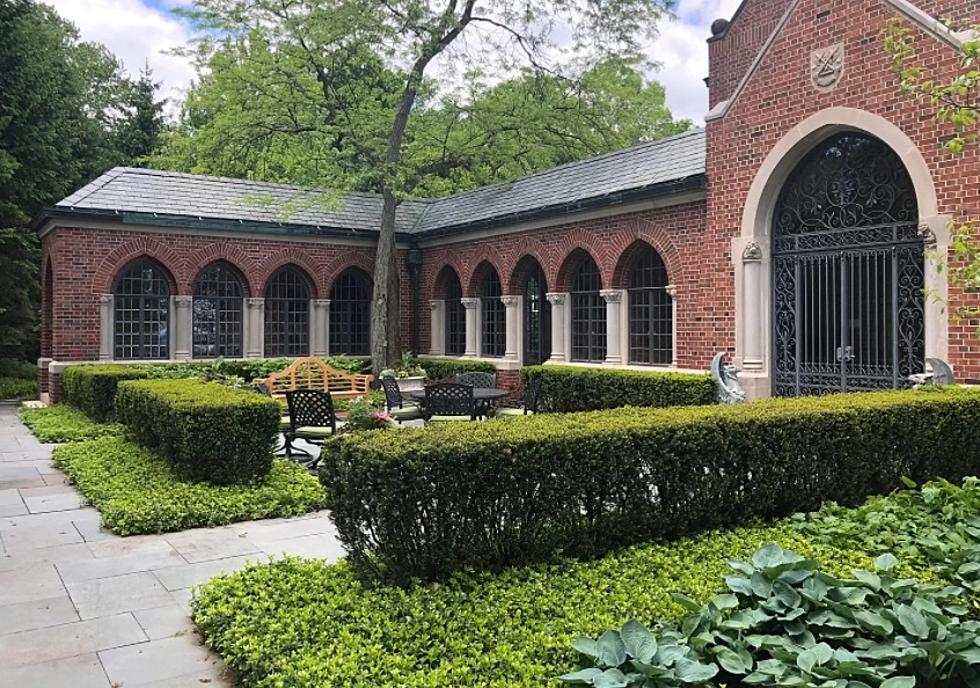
[783, 623]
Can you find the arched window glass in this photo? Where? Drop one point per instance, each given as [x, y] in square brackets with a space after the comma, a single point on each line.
[218, 313]
[650, 311]
[350, 314]
[588, 314]
[537, 318]
[287, 314]
[455, 317]
[494, 317]
[141, 321]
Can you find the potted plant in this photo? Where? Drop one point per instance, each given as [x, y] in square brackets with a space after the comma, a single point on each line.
[409, 373]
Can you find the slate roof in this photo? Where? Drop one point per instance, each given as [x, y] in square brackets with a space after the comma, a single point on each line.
[597, 180]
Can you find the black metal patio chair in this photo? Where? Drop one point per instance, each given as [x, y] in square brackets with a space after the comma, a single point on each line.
[449, 402]
[477, 379]
[397, 407]
[531, 399]
[311, 419]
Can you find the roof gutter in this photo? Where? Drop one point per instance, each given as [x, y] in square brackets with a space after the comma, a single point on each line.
[693, 183]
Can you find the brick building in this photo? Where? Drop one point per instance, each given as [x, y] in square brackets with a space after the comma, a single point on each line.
[796, 232]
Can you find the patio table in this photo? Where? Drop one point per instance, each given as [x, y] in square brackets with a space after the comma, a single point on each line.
[479, 393]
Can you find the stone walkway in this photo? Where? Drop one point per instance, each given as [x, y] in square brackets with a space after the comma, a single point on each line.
[83, 608]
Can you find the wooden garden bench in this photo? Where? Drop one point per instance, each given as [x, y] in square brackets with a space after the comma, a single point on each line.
[312, 372]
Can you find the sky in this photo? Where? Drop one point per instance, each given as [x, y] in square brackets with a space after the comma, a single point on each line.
[143, 31]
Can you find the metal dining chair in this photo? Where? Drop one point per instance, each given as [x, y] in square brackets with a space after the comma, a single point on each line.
[477, 379]
[449, 402]
[311, 418]
[397, 407]
[531, 399]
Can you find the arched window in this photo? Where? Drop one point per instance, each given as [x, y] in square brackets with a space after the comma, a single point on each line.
[350, 314]
[141, 321]
[494, 316]
[537, 318]
[217, 313]
[287, 313]
[455, 316]
[588, 313]
[650, 311]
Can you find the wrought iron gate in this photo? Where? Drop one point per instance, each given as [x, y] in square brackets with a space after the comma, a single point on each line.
[847, 272]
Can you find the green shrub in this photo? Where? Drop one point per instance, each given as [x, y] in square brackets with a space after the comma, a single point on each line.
[92, 388]
[445, 368]
[307, 623]
[569, 388]
[489, 495]
[64, 423]
[937, 526]
[18, 388]
[784, 623]
[209, 432]
[12, 367]
[137, 491]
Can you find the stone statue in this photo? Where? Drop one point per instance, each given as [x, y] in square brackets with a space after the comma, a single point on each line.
[726, 377]
[941, 374]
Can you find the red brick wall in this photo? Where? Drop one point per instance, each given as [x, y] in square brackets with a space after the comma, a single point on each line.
[85, 263]
[731, 56]
[780, 95]
[676, 232]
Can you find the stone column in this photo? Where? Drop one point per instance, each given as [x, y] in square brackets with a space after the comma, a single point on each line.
[671, 290]
[472, 307]
[106, 317]
[752, 323]
[254, 327]
[614, 307]
[437, 327]
[183, 326]
[320, 326]
[512, 326]
[559, 333]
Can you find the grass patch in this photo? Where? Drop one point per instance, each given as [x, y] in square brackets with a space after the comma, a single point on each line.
[137, 492]
[299, 623]
[64, 423]
[17, 388]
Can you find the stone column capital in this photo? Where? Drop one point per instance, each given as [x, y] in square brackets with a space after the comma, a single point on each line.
[556, 298]
[470, 303]
[255, 302]
[671, 290]
[183, 301]
[321, 303]
[510, 301]
[106, 298]
[612, 295]
[436, 304]
[752, 253]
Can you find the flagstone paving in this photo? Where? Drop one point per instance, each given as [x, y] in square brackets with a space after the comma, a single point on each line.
[81, 607]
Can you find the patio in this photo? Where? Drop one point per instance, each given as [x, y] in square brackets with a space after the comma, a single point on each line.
[84, 607]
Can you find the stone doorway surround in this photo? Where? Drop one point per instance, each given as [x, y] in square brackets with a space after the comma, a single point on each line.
[751, 248]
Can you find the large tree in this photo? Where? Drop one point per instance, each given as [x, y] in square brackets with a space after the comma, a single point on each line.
[309, 53]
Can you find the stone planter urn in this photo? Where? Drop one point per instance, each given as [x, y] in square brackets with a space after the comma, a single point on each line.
[410, 384]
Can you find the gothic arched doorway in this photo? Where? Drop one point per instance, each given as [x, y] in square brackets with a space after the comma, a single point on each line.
[847, 272]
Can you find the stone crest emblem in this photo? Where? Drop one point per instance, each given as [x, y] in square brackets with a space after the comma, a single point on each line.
[827, 66]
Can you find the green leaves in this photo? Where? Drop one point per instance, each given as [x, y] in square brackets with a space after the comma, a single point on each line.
[786, 624]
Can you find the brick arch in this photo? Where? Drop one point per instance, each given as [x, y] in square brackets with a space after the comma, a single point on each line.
[517, 268]
[446, 272]
[573, 259]
[120, 257]
[521, 271]
[575, 240]
[653, 237]
[344, 262]
[287, 256]
[471, 287]
[226, 253]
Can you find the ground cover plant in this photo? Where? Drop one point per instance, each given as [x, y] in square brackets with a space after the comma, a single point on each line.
[308, 623]
[137, 491]
[783, 622]
[208, 432]
[491, 495]
[64, 423]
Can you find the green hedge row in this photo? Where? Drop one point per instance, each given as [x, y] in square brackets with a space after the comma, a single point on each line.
[489, 495]
[208, 432]
[570, 388]
[445, 368]
[92, 388]
[17, 388]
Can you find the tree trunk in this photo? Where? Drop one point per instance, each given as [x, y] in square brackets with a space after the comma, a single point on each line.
[386, 306]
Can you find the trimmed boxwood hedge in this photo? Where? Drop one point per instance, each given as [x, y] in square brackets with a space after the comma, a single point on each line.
[209, 432]
[444, 368]
[488, 495]
[92, 388]
[570, 388]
